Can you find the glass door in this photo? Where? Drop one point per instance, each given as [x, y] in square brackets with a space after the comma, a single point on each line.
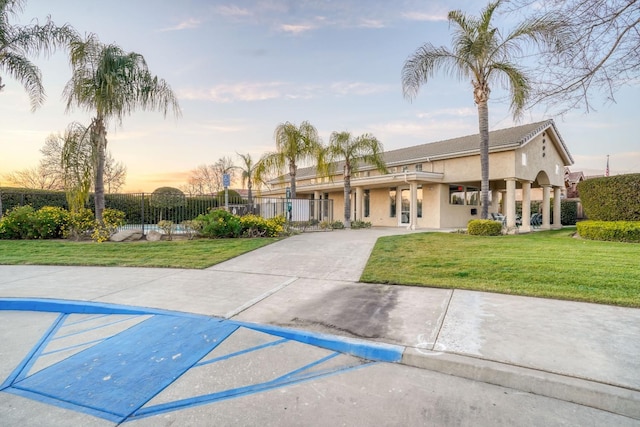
[405, 206]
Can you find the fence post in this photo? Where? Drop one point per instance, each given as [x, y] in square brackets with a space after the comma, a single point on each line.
[142, 212]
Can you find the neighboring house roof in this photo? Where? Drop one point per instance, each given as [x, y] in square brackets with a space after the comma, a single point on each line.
[574, 177]
[499, 140]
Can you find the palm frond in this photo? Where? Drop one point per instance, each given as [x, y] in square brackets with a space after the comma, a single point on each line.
[425, 62]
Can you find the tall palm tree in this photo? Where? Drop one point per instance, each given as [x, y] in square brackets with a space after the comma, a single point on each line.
[481, 52]
[18, 42]
[251, 173]
[112, 83]
[293, 145]
[355, 152]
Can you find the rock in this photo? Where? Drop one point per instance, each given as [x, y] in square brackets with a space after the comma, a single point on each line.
[127, 235]
[154, 236]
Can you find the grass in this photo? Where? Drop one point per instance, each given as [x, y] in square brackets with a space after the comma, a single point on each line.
[549, 264]
[179, 254]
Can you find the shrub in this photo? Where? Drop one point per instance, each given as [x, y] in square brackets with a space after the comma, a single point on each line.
[80, 224]
[18, 223]
[568, 212]
[50, 222]
[111, 220]
[219, 223]
[337, 225]
[192, 228]
[484, 227]
[613, 198]
[614, 231]
[256, 226]
[360, 224]
[167, 227]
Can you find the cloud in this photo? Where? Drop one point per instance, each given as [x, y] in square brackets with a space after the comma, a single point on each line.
[424, 16]
[453, 112]
[232, 11]
[371, 23]
[263, 91]
[296, 29]
[184, 25]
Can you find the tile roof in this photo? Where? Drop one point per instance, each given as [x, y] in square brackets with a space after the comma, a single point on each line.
[501, 139]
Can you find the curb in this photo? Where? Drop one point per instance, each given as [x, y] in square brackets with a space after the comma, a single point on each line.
[617, 400]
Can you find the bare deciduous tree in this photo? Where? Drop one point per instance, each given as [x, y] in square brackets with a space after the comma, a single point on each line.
[603, 55]
[207, 179]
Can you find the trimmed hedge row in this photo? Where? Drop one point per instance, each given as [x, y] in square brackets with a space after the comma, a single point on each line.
[613, 231]
[613, 198]
[484, 227]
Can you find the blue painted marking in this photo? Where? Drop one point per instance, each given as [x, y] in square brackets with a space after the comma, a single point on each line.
[366, 350]
[89, 319]
[23, 368]
[233, 393]
[122, 373]
[104, 325]
[246, 350]
[71, 347]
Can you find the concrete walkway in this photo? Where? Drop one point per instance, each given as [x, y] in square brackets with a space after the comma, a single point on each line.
[575, 352]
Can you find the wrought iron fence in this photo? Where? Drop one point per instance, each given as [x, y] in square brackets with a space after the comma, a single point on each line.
[145, 210]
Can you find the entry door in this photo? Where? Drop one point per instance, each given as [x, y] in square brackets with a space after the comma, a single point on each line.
[405, 206]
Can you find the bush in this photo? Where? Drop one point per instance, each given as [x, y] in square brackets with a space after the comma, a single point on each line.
[219, 223]
[18, 223]
[80, 224]
[484, 227]
[360, 224]
[568, 212]
[337, 225]
[167, 227]
[111, 220]
[256, 226]
[614, 231]
[192, 228]
[50, 222]
[613, 198]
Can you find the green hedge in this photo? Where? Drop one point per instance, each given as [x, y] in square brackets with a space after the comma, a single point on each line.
[14, 197]
[613, 198]
[614, 231]
[568, 212]
[484, 227]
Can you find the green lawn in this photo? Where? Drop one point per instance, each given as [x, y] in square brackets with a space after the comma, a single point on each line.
[180, 253]
[548, 264]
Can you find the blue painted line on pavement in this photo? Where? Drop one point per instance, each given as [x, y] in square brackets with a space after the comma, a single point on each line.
[104, 325]
[236, 392]
[23, 368]
[89, 319]
[138, 360]
[245, 351]
[71, 347]
[366, 350]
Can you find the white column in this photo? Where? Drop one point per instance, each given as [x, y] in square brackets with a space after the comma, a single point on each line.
[317, 206]
[359, 205]
[510, 203]
[494, 207]
[413, 209]
[546, 207]
[526, 207]
[557, 221]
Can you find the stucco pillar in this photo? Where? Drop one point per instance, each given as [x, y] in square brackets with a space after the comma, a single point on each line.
[557, 197]
[510, 203]
[358, 205]
[494, 207]
[546, 207]
[526, 207]
[413, 208]
[317, 206]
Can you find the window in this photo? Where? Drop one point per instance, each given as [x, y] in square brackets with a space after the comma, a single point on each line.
[524, 159]
[405, 169]
[366, 203]
[419, 200]
[392, 202]
[456, 194]
[472, 196]
[419, 167]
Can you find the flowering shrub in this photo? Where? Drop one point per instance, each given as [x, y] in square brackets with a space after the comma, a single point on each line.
[23, 222]
[256, 226]
[111, 220]
[80, 224]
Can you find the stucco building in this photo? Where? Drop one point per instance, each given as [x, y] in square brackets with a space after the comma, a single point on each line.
[437, 185]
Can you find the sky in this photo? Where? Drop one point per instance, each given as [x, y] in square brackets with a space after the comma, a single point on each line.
[240, 68]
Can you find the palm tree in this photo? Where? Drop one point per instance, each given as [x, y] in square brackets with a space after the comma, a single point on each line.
[19, 42]
[293, 145]
[251, 173]
[480, 52]
[112, 83]
[354, 152]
